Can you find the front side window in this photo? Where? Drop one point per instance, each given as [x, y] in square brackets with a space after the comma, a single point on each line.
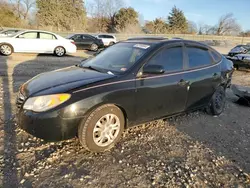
[28, 35]
[198, 57]
[117, 58]
[47, 36]
[170, 58]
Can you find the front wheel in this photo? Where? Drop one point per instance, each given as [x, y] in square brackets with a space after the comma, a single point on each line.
[59, 51]
[6, 49]
[102, 128]
[218, 101]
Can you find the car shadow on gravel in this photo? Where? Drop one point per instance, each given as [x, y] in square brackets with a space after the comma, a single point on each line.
[7, 126]
[228, 134]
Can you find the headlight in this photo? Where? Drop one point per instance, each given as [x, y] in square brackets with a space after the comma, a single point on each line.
[47, 102]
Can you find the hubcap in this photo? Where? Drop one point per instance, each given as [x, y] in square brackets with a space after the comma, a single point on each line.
[106, 130]
[5, 49]
[94, 47]
[59, 51]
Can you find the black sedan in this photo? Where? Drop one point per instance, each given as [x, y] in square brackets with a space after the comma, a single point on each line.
[129, 83]
[86, 42]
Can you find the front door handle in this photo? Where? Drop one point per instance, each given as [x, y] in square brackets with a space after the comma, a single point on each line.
[183, 82]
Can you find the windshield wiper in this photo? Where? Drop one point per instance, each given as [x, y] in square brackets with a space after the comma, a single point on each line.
[92, 68]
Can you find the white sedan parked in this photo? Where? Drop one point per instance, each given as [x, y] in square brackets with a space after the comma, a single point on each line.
[35, 41]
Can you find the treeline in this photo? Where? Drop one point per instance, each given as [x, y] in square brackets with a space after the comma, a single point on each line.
[104, 16]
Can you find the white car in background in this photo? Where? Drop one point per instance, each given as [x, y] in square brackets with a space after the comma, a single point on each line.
[108, 40]
[36, 41]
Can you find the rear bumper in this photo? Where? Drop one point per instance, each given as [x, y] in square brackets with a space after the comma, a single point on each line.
[71, 50]
[48, 126]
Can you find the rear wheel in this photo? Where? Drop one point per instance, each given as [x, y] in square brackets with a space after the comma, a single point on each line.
[6, 49]
[218, 101]
[102, 128]
[60, 51]
[94, 47]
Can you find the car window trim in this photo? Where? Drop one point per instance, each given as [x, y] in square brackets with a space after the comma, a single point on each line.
[46, 33]
[210, 52]
[186, 45]
[28, 32]
[166, 46]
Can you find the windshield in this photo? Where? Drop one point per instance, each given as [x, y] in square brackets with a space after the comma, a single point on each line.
[118, 58]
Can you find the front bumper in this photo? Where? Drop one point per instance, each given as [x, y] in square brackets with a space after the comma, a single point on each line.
[49, 126]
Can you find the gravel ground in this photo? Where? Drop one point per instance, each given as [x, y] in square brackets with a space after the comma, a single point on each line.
[192, 150]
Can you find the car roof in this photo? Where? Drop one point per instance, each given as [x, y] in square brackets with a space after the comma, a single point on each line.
[164, 41]
[148, 38]
[104, 34]
[27, 30]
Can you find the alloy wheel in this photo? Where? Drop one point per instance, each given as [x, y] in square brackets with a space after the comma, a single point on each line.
[5, 49]
[59, 51]
[106, 130]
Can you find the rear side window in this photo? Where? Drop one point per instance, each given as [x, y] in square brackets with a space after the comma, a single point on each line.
[47, 36]
[198, 57]
[109, 37]
[216, 56]
[170, 58]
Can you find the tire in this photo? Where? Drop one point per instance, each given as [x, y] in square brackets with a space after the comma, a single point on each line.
[217, 103]
[94, 131]
[111, 43]
[94, 47]
[59, 51]
[6, 49]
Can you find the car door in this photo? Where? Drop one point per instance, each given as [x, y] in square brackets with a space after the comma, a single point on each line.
[105, 39]
[203, 74]
[48, 42]
[26, 42]
[87, 41]
[164, 94]
[79, 42]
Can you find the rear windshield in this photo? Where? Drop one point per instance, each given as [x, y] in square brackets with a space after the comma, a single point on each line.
[118, 58]
[240, 48]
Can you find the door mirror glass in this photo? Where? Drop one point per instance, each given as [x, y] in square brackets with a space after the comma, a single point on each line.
[153, 69]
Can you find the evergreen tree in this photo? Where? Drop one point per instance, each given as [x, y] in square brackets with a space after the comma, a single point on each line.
[177, 21]
[61, 14]
[126, 17]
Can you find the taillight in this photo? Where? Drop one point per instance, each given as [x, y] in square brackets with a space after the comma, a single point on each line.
[73, 42]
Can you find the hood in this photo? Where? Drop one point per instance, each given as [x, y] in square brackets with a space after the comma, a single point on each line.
[62, 80]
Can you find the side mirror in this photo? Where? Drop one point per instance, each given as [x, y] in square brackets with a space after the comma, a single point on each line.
[153, 69]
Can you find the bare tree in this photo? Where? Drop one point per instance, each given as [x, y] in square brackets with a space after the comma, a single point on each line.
[23, 7]
[204, 29]
[105, 11]
[227, 25]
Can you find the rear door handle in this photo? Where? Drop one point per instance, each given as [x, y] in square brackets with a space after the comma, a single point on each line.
[183, 82]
